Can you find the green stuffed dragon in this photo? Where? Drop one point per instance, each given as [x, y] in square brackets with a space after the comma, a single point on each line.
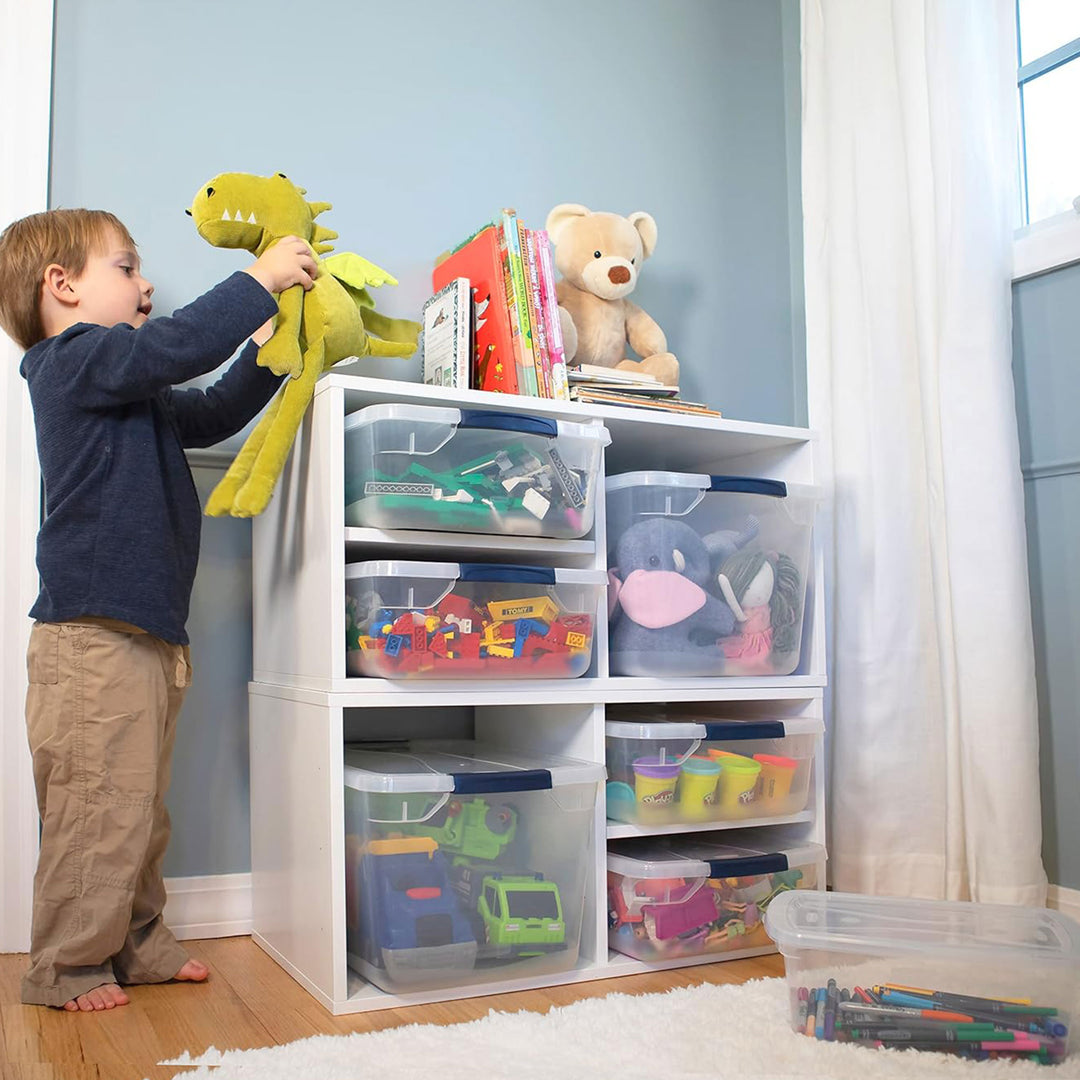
[313, 330]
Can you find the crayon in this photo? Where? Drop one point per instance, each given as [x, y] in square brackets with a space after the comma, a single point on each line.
[819, 1024]
[800, 1016]
[830, 1010]
[811, 1012]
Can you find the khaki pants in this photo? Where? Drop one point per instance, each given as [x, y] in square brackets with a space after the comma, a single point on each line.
[101, 713]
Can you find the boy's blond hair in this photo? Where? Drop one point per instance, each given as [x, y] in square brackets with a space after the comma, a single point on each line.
[31, 244]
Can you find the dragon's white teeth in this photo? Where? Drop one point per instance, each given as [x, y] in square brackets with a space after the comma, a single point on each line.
[225, 216]
[251, 220]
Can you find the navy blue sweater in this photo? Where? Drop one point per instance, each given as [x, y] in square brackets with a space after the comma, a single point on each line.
[120, 537]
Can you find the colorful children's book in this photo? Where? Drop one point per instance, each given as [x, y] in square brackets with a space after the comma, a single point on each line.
[478, 260]
[542, 361]
[552, 326]
[527, 381]
[447, 338]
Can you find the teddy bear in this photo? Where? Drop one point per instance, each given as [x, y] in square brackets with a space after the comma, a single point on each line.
[599, 256]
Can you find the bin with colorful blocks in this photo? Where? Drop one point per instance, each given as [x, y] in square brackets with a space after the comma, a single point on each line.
[688, 896]
[464, 863]
[708, 573]
[470, 470]
[689, 770]
[428, 620]
[976, 979]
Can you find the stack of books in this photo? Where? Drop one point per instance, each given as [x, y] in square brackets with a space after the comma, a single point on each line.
[637, 389]
[493, 323]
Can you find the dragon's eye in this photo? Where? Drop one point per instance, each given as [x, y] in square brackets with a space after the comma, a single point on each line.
[283, 176]
[209, 192]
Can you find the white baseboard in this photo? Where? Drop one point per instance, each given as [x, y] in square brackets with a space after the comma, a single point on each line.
[1067, 901]
[215, 906]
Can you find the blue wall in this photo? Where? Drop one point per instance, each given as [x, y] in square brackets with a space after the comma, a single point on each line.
[418, 120]
[1046, 328]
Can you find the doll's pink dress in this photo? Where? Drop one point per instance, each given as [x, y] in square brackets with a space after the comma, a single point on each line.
[753, 643]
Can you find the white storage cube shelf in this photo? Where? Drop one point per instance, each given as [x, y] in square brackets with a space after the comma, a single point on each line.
[418, 467]
[669, 772]
[1017, 967]
[415, 620]
[705, 896]
[709, 573]
[464, 864]
[334, 564]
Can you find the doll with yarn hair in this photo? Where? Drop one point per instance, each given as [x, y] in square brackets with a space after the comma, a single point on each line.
[764, 591]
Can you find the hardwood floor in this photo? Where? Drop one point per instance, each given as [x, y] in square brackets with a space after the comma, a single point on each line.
[248, 1002]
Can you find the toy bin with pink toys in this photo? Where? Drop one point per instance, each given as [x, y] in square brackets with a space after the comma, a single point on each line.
[427, 620]
[707, 573]
[677, 897]
[688, 771]
[471, 470]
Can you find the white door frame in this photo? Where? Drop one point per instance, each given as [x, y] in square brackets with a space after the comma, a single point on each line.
[26, 30]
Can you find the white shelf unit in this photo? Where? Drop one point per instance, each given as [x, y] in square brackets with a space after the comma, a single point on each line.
[304, 706]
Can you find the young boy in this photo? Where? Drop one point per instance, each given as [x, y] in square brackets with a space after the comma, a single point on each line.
[108, 661]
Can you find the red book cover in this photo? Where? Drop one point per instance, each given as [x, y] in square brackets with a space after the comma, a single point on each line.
[494, 365]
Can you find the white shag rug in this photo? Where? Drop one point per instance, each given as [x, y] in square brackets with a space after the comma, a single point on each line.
[740, 1032]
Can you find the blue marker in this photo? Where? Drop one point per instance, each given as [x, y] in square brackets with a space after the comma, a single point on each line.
[819, 1028]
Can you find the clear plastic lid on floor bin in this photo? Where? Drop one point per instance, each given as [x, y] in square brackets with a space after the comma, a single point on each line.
[471, 470]
[408, 620]
[710, 573]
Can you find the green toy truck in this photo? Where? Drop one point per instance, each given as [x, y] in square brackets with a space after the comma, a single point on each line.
[522, 915]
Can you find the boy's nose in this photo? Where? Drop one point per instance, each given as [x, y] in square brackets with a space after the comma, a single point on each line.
[148, 288]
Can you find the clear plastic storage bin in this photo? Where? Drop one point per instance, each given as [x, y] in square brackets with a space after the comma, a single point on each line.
[678, 897]
[664, 772]
[419, 620]
[454, 470]
[1011, 971]
[464, 863]
[708, 573]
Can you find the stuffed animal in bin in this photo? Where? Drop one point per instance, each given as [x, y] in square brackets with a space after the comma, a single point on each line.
[599, 256]
[657, 594]
[313, 330]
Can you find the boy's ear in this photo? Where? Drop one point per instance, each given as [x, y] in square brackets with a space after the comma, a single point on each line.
[58, 284]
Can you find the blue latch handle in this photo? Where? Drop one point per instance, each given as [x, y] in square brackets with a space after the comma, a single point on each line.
[535, 575]
[531, 425]
[717, 730]
[748, 865]
[485, 783]
[751, 485]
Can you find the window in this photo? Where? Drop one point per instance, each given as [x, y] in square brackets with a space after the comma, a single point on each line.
[1048, 79]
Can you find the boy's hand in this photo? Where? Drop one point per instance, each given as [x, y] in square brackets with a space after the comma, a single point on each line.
[289, 262]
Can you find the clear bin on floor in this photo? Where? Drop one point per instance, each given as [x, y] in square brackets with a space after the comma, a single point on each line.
[674, 897]
[1011, 971]
[708, 573]
[464, 863]
[455, 470]
[420, 620]
[663, 772]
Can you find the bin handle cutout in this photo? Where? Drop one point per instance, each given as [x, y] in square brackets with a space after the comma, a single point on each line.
[442, 801]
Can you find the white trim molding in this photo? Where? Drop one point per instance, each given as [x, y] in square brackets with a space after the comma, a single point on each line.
[209, 907]
[1046, 245]
[25, 102]
[1067, 901]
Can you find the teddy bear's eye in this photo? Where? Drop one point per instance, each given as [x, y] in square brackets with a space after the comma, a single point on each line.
[632, 261]
[596, 254]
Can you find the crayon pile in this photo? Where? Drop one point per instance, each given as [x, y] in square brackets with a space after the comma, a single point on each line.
[905, 1017]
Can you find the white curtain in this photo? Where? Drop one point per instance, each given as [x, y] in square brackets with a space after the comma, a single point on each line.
[909, 165]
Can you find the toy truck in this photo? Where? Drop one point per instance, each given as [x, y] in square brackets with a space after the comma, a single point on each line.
[470, 828]
[522, 915]
[411, 922]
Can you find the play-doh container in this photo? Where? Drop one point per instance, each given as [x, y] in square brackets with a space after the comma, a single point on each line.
[709, 573]
[682, 897]
[1014, 971]
[470, 470]
[464, 863]
[420, 620]
[713, 770]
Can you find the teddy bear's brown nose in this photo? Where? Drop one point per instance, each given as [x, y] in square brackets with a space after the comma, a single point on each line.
[618, 275]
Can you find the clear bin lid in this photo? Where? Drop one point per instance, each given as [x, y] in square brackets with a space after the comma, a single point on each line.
[700, 858]
[702, 482]
[885, 925]
[460, 766]
[521, 423]
[502, 572]
[712, 730]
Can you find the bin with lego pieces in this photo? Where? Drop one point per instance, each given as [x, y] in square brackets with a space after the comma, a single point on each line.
[470, 470]
[983, 981]
[427, 620]
[465, 863]
[691, 770]
[678, 897]
[708, 573]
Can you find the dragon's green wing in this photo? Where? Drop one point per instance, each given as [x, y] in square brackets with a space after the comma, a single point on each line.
[355, 270]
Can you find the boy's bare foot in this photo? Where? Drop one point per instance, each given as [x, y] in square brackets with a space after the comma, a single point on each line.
[192, 971]
[106, 996]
